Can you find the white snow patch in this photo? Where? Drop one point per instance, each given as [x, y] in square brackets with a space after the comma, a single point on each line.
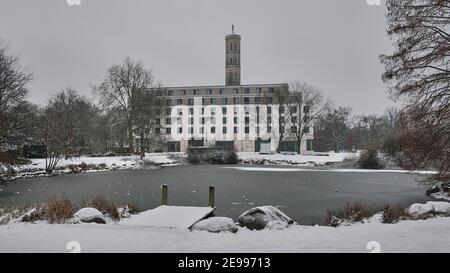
[88, 214]
[432, 235]
[269, 169]
[440, 207]
[169, 217]
[216, 224]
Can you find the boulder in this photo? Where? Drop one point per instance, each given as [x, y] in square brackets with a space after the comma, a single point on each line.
[216, 224]
[420, 211]
[440, 207]
[259, 217]
[434, 189]
[90, 215]
[277, 225]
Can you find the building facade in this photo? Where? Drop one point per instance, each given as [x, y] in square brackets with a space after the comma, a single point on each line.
[242, 118]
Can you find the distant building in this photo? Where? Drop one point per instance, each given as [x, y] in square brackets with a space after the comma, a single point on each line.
[242, 118]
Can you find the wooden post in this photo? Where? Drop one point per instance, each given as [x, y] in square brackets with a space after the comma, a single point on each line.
[211, 196]
[164, 194]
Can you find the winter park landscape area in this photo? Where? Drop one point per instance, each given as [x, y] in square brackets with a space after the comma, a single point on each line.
[110, 141]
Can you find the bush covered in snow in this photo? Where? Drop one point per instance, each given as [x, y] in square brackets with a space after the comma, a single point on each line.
[370, 159]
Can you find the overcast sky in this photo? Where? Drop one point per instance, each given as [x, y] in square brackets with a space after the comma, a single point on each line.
[331, 44]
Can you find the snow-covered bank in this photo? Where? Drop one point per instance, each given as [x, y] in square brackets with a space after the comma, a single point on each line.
[268, 169]
[96, 164]
[432, 235]
[294, 159]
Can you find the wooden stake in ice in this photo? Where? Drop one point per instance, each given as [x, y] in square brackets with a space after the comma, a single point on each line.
[164, 190]
[211, 196]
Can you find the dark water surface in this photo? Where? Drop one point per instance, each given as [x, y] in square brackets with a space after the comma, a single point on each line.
[304, 196]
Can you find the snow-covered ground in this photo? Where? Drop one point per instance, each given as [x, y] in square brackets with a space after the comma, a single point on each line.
[109, 161]
[319, 158]
[432, 235]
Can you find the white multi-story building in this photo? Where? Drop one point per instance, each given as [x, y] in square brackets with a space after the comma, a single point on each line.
[243, 118]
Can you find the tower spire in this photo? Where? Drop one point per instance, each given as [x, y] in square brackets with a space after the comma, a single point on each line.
[232, 29]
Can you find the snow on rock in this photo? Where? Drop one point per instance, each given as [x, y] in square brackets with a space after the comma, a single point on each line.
[277, 225]
[440, 207]
[90, 215]
[216, 224]
[259, 217]
[420, 211]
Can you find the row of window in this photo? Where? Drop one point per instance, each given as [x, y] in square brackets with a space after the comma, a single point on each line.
[225, 129]
[213, 111]
[221, 91]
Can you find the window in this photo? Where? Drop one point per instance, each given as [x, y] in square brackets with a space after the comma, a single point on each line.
[180, 130]
[191, 120]
[269, 129]
[236, 100]
[179, 101]
[247, 120]
[235, 120]
[224, 120]
[221, 91]
[269, 100]
[191, 130]
[309, 144]
[168, 102]
[157, 121]
[157, 130]
[306, 119]
[203, 101]
[269, 109]
[179, 112]
[190, 101]
[203, 111]
[191, 111]
[257, 100]
[170, 93]
[178, 120]
[224, 110]
[213, 130]
[282, 120]
[213, 111]
[271, 89]
[294, 109]
[202, 120]
[236, 130]
[213, 100]
[168, 111]
[209, 91]
[246, 100]
[168, 131]
[246, 110]
[236, 90]
[224, 130]
[294, 120]
[281, 109]
[247, 90]
[195, 91]
[269, 120]
[213, 120]
[259, 90]
[168, 121]
[293, 129]
[201, 130]
[224, 101]
[236, 110]
[247, 130]
[306, 130]
[183, 92]
[306, 109]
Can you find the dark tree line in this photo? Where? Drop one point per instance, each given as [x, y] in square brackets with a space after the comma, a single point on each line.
[418, 74]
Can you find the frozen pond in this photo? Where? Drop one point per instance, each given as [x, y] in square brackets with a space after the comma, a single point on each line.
[304, 195]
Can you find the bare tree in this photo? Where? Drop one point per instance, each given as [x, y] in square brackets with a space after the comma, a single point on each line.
[150, 110]
[306, 105]
[334, 127]
[59, 120]
[418, 73]
[13, 107]
[121, 88]
[282, 117]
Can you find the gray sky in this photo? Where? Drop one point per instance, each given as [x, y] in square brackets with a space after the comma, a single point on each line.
[331, 44]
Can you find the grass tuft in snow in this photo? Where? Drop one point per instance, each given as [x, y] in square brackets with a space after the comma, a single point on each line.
[104, 205]
[59, 209]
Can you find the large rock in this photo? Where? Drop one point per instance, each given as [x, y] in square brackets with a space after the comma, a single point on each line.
[90, 215]
[440, 207]
[259, 218]
[216, 224]
[420, 211]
